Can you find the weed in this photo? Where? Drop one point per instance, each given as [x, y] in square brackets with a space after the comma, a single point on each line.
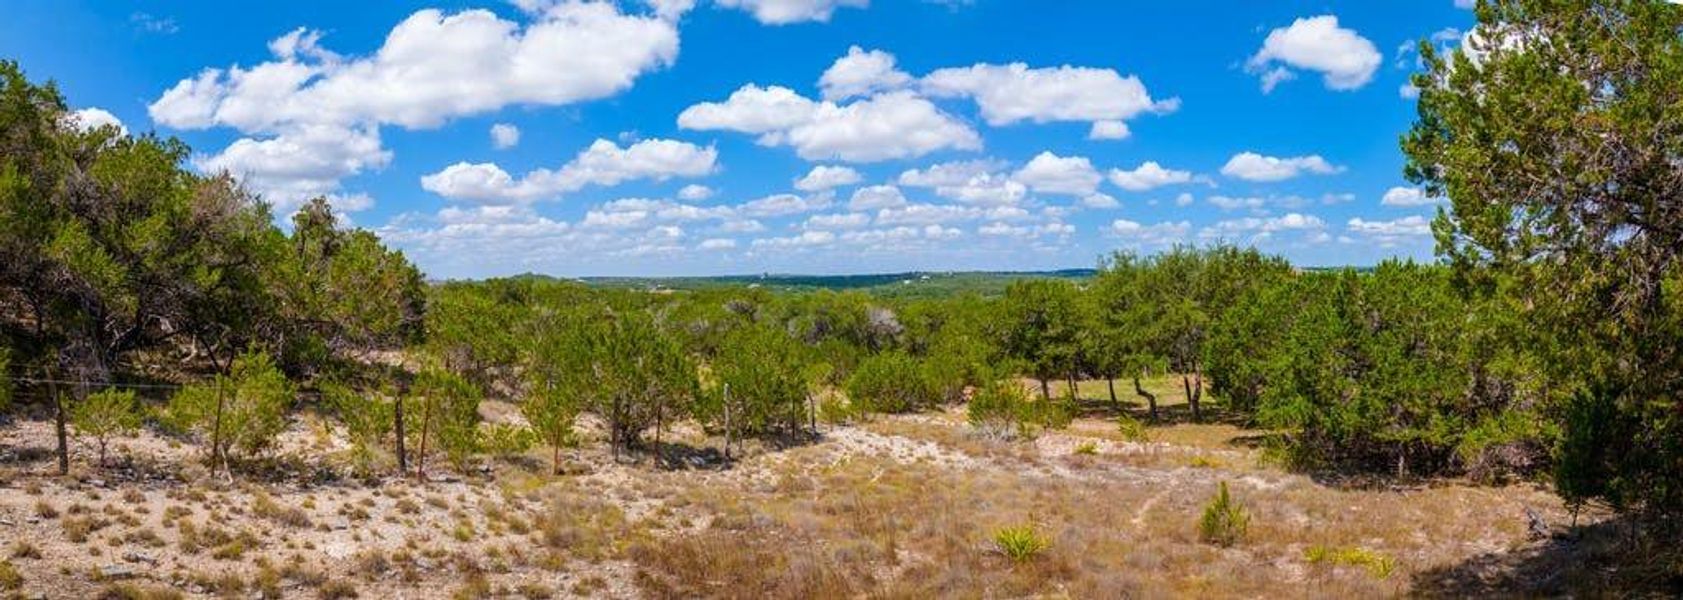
[1380, 565]
[10, 579]
[1225, 520]
[1132, 429]
[1087, 448]
[1020, 543]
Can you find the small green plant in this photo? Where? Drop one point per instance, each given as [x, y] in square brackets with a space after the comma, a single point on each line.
[1225, 520]
[10, 579]
[1001, 408]
[1132, 429]
[104, 415]
[1087, 449]
[1380, 565]
[1020, 543]
[1204, 462]
[506, 441]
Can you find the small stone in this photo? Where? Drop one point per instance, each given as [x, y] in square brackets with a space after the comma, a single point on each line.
[138, 557]
[115, 572]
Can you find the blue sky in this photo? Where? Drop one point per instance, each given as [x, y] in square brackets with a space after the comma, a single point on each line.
[674, 137]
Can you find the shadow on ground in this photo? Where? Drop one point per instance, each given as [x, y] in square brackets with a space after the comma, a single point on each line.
[1613, 558]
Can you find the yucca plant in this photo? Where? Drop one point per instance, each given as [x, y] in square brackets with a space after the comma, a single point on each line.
[1020, 543]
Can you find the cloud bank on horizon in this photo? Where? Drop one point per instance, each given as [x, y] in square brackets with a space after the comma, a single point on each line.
[580, 137]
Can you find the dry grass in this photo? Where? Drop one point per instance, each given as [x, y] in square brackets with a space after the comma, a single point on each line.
[897, 507]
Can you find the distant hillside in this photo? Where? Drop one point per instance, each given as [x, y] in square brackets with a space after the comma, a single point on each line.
[910, 284]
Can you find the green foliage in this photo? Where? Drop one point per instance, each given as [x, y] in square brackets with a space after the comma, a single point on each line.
[769, 384]
[892, 382]
[558, 380]
[1020, 543]
[506, 441]
[1002, 408]
[1225, 520]
[369, 420]
[1379, 565]
[1132, 429]
[449, 416]
[1594, 436]
[106, 414]
[1554, 138]
[1042, 321]
[244, 411]
[644, 377]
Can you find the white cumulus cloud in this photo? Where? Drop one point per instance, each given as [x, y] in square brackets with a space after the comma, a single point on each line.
[1344, 58]
[861, 73]
[604, 163]
[1251, 166]
[1149, 175]
[784, 12]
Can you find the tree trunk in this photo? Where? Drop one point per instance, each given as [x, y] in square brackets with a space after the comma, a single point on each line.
[402, 457]
[59, 425]
[1197, 392]
[727, 421]
[1191, 398]
[1110, 384]
[556, 457]
[812, 413]
[421, 453]
[1074, 392]
[1150, 398]
[217, 456]
[1045, 390]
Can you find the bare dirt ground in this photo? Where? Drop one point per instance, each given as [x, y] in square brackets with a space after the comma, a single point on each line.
[899, 507]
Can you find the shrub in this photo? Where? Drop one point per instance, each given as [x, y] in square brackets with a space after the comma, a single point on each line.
[1020, 543]
[1002, 408]
[368, 420]
[244, 410]
[1132, 429]
[1087, 449]
[768, 381]
[449, 407]
[10, 579]
[505, 441]
[1380, 565]
[105, 414]
[891, 382]
[1225, 520]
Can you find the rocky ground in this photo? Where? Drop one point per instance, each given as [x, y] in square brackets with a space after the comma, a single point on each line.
[896, 507]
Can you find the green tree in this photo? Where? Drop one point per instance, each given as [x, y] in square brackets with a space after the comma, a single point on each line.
[1042, 329]
[767, 378]
[449, 417]
[368, 418]
[645, 379]
[1554, 134]
[105, 414]
[103, 237]
[891, 382]
[240, 413]
[559, 379]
